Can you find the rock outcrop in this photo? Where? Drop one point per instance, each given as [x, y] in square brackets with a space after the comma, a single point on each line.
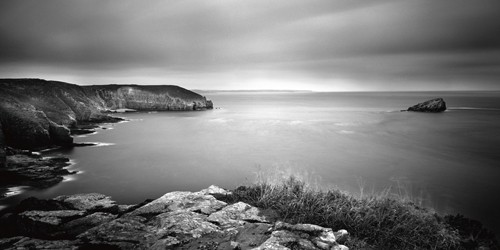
[36, 113]
[177, 220]
[3, 156]
[433, 106]
[28, 169]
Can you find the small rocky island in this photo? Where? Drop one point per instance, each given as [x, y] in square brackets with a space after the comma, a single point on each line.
[37, 114]
[177, 220]
[432, 106]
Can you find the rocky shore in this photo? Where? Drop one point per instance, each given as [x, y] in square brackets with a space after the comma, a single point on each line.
[37, 114]
[177, 220]
[26, 168]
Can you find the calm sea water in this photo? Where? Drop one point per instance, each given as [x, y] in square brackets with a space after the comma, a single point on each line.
[353, 141]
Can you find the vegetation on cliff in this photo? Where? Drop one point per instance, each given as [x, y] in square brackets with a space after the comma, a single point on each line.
[36, 113]
[373, 222]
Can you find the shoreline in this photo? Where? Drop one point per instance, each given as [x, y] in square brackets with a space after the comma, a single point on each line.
[29, 170]
[256, 216]
[23, 167]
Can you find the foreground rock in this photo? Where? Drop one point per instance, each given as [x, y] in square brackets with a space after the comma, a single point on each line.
[24, 168]
[177, 220]
[433, 106]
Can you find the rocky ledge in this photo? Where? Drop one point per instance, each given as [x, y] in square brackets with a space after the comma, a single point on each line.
[177, 220]
[433, 106]
[25, 168]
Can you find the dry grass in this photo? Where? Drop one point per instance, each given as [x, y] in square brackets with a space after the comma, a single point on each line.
[380, 222]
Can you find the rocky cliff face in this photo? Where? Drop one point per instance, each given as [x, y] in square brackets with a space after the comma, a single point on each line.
[3, 161]
[177, 220]
[37, 113]
[433, 106]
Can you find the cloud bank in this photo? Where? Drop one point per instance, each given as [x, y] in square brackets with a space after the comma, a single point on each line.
[283, 44]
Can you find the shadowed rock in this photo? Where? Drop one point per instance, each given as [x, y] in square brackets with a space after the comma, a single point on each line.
[433, 106]
[43, 224]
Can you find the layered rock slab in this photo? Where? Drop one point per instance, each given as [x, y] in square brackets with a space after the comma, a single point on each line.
[177, 220]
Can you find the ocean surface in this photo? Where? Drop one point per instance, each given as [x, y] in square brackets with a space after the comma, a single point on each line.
[358, 142]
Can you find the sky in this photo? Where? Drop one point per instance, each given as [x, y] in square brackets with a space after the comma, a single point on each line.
[330, 45]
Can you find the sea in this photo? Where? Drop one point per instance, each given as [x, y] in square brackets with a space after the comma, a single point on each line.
[357, 142]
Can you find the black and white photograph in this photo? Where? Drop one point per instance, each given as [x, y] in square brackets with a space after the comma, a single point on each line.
[256, 124]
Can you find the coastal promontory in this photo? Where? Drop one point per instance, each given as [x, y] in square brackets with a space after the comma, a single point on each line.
[36, 113]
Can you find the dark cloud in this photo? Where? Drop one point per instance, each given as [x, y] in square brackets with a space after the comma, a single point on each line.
[225, 44]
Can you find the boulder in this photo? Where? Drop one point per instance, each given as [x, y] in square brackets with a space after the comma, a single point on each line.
[305, 236]
[181, 201]
[185, 224]
[238, 214]
[92, 202]
[433, 106]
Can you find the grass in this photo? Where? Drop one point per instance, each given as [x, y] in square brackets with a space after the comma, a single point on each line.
[379, 222]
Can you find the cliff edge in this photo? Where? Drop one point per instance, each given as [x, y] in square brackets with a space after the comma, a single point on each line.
[36, 113]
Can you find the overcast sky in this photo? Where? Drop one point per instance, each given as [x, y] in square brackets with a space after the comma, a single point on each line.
[329, 45]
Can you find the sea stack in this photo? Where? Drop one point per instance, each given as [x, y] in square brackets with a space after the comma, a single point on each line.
[432, 106]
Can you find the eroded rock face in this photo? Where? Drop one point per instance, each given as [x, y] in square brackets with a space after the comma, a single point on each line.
[433, 106]
[28, 169]
[3, 156]
[177, 220]
[37, 113]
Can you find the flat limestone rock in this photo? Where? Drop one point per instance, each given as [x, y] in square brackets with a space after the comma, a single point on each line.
[186, 223]
[126, 233]
[237, 214]
[177, 220]
[90, 202]
[30, 243]
[181, 201]
[51, 217]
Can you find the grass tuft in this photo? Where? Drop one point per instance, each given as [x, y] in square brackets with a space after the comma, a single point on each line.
[373, 221]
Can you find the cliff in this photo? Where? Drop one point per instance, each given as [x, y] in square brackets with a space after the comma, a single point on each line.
[36, 113]
[177, 220]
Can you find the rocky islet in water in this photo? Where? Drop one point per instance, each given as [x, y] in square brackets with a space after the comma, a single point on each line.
[432, 106]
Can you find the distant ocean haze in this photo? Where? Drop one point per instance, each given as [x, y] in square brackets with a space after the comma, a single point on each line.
[353, 141]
